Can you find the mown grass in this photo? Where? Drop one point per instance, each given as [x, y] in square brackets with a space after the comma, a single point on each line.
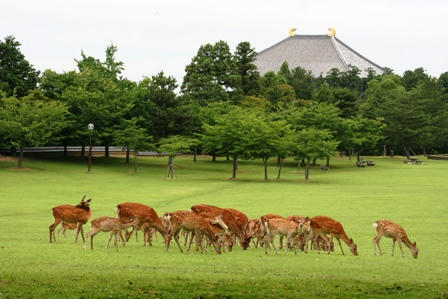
[412, 195]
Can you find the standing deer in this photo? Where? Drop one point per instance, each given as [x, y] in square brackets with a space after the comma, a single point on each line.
[108, 224]
[281, 227]
[322, 225]
[392, 230]
[78, 215]
[147, 218]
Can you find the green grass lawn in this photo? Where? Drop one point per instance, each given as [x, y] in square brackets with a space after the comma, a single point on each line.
[415, 196]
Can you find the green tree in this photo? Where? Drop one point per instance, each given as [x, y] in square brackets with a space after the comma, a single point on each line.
[28, 122]
[212, 75]
[411, 79]
[17, 75]
[443, 81]
[131, 136]
[312, 143]
[244, 58]
[173, 145]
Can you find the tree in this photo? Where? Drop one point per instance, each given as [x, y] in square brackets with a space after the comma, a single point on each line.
[443, 81]
[277, 92]
[411, 79]
[324, 94]
[174, 145]
[17, 75]
[131, 136]
[27, 122]
[212, 75]
[313, 143]
[244, 58]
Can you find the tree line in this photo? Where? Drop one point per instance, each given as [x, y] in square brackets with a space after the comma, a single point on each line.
[222, 107]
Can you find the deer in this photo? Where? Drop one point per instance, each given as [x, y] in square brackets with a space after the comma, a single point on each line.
[191, 222]
[108, 224]
[66, 226]
[147, 218]
[263, 234]
[256, 230]
[226, 220]
[69, 214]
[322, 225]
[281, 227]
[392, 230]
[300, 239]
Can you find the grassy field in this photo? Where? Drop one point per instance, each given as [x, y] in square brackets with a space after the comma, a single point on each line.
[413, 195]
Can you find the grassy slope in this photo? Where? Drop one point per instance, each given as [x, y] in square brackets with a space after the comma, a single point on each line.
[412, 195]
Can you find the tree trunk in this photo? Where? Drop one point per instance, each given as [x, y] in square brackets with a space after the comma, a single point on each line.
[135, 160]
[406, 151]
[384, 150]
[195, 152]
[307, 169]
[265, 162]
[20, 157]
[170, 167]
[280, 165]
[358, 157]
[298, 166]
[106, 151]
[328, 161]
[65, 151]
[412, 151]
[424, 151]
[350, 153]
[214, 157]
[235, 166]
[391, 153]
[83, 150]
[127, 155]
[314, 161]
[227, 157]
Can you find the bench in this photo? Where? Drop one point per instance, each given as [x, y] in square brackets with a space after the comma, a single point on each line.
[361, 163]
[323, 168]
[413, 161]
[370, 163]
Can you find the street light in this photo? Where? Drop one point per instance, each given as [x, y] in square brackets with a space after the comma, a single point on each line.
[90, 127]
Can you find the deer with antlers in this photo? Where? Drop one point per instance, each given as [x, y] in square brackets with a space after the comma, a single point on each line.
[392, 230]
[69, 214]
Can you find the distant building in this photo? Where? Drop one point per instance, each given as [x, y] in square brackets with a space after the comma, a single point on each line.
[315, 53]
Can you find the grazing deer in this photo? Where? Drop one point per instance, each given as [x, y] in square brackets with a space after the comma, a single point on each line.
[322, 225]
[256, 230]
[281, 227]
[392, 230]
[147, 218]
[300, 239]
[108, 224]
[78, 215]
[191, 222]
[225, 218]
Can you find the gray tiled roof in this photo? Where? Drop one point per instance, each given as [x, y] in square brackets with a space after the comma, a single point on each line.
[316, 53]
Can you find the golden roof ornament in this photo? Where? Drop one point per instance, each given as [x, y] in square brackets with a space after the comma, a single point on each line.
[291, 32]
[332, 32]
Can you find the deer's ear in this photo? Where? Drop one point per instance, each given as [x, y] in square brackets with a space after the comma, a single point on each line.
[89, 200]
[351, 240]
[307, 218]
[415, 244]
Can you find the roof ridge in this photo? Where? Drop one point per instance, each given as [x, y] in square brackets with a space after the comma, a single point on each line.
[363, 57]
[341, 57]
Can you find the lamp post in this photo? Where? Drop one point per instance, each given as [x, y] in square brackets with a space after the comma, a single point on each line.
[90, 127]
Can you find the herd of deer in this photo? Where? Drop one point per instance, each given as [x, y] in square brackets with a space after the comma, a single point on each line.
[220, 227]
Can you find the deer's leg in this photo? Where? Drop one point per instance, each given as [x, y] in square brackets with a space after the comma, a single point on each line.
[82, 233]
[191, 240]
[108, 241]
[401, 249]
[52, 228]
[116, 241]
[272, 243]
[281, 243]
[78, 227]
[376, 242]
[90, 234]
[393, 246]
[176, 239]
[121, 237]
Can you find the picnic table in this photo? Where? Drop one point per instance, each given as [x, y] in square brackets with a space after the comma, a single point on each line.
[413, 161]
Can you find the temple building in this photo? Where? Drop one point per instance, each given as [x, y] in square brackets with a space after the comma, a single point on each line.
[315, 53]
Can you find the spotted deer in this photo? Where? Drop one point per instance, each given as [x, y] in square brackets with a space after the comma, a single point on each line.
[392, 230]
[108, 224]
[282, 227]
[69, 214]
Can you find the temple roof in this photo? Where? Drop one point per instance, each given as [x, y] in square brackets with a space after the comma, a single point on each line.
[315, 53]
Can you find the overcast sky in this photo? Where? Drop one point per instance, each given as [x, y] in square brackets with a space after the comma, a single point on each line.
[156, 35]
